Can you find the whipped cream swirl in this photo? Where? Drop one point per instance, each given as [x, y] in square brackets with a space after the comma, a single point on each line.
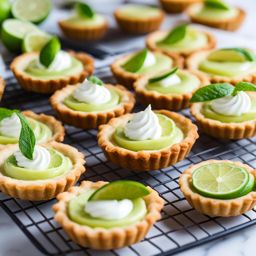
[10, 126]
[174, 79]
[41, 159]
[61, 61]
[232, 105]
[150, 60]
[109, 209]
[144, 125]
[92, 93]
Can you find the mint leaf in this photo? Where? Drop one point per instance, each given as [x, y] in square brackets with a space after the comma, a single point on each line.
[95, 80]
[136, 62]
[5, 112]
[244, 86]
[84, 10]
[217, 4]
[159, 78]
[212, 92]
[27, 138]
[175, 35]
[49, 52]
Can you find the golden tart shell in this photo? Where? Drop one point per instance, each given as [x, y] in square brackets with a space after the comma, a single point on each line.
[100, 238]
[38, 85]
[2, 86]
[149, 159]
[127, 78]
[90, 120]
[42, 189]
[177, 6]
[230, 24]
[166, 101]
[152, 39]
[217, 129]
[216, 207]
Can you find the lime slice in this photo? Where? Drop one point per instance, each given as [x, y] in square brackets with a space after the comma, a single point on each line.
[84, 10]
[220, 180]
[35, 41]
[217, 4]
[13, 33]
[232, 55]
[249, 187]
[35, 11]
[5, 10]
[118, 190]
[161, 77]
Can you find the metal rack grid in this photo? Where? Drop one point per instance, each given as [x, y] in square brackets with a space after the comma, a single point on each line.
[180, 228]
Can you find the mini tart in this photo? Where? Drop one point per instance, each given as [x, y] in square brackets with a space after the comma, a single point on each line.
[165, 101]
[216, 207]
[83, 33]
[127, 78]
[139, 25]
[177, 6]
[38, 85]
[100, 238]
[42, 189]
[230, 24]
[90, 120]
[2, 86]
[152, 39]
[150, 159]
[217, 129]
[193, 62]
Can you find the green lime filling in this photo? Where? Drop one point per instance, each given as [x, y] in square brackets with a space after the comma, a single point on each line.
[80, 21]
[74, 104]
[59, 165]
[171, 134]
[139, 11]
[77, 214]
[193, 40]
[188, 83]
[34, 71]
[42, 133]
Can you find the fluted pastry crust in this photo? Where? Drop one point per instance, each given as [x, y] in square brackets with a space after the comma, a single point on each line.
[177, 6]
[2, 86]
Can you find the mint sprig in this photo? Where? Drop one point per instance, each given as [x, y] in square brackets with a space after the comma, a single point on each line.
[217, 4]
[175, 35]
[244, 86]
[95, 80]
[84, 10]
[161, 77]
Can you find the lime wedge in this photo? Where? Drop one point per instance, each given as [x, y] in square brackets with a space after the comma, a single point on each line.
[49, 52]
[220, 180]
[5, 10]
[136, 61]
[35, 11]
[35, 41]
[13, 33]
[118, 190]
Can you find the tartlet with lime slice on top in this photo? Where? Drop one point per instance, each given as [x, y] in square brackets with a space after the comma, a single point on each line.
[129, 68]
[37, 172]
[51, 69]
[183, 39]
[226, 111]
[219, 187]
[2, 86]
[225, 65]
[217, 14]
[85, 24]
[171, 90]
[91, 103]
[147, 140]
[104, 216]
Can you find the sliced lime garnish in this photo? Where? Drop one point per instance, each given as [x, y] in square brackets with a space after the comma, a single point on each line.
[175, 35]
[218, 4]
[84, 10]
[136, 61]
[118, 190]
[249, 187]
[49, 52]
[163, 76]
[35, 11]
[35, 41]
[5, 10]
[220, 180]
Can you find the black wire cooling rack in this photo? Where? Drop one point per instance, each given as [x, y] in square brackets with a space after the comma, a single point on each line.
[180, 228]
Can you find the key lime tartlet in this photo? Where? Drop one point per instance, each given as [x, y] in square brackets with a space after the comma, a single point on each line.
[219, 187]
[147, 140]
[171, 90]
[225, 65]
[182, 39]
[51, 69]
[2, 86]
[226, 111]
[104, 216]
[37, 172]
[138, 19]
[217, 14]
[129, 68]
[85, 24]
[177, 6]
[46, 128]
[91, 103]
